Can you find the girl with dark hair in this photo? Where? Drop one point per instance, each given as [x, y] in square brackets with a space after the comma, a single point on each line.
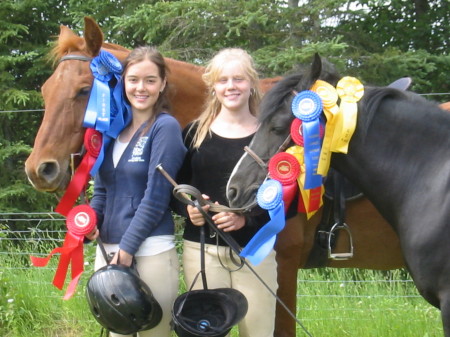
[131, 197]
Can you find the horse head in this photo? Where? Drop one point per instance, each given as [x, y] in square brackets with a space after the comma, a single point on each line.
[65, 95]
[275, 120]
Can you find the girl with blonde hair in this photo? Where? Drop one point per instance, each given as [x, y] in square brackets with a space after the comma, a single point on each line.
[215, 142]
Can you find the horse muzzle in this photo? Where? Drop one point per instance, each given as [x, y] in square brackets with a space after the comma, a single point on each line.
[47, 176]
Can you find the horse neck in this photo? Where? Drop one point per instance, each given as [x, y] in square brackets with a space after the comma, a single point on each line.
[118, 51]
[406, 151]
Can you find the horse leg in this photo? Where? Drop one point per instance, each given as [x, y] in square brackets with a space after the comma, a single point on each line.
[288, 247]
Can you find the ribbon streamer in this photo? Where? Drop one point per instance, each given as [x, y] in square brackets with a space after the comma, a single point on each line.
[329, 97]
[105, 67]
[93, 144]
[310, 200]
[270, 198]
[297, 131]
[350, 91]
[307, 106]
[105, 111]
[80, 221]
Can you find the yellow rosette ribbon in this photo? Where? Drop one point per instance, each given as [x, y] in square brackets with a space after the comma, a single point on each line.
[329, 97]
[311, 198]
[350, 91]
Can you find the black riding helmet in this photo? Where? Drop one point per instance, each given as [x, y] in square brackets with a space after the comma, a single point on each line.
[209, 312]
[121, 302]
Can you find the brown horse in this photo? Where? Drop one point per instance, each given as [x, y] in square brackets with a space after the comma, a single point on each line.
[445, 106]
[66, 92]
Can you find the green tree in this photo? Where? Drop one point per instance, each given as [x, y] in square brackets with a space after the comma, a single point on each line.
[24, 34]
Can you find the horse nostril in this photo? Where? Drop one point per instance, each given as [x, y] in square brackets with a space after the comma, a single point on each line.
[232, 193]
[48, 170]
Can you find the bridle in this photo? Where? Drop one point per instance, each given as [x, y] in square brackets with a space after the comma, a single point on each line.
[75, 57]
[281, 148]
[258, 159]
[74, 156]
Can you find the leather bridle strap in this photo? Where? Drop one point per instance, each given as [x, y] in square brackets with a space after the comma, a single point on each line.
[258, 159]
[188, 194]
[83, 58]
[75, 57]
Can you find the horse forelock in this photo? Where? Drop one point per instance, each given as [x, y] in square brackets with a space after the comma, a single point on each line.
[276, 97]
[65, 46]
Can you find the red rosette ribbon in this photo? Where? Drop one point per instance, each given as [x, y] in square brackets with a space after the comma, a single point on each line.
[80, 221]
[285, 168]
[297, 132]
[93, 145]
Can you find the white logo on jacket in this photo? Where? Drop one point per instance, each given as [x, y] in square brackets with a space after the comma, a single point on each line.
[138, 150]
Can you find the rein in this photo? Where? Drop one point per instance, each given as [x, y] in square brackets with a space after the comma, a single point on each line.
[185, 192]
[182, 193]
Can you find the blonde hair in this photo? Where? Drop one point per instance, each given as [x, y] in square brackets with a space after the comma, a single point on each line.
[211, 76]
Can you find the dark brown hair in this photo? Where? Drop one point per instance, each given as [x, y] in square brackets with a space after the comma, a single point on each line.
[140, 54]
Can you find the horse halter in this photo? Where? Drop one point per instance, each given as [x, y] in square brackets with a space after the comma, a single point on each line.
[258, 159]
[73, 156]
[75, 57]
[281, 148]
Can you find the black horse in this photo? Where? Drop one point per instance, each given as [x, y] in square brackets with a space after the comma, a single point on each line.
[399, 156]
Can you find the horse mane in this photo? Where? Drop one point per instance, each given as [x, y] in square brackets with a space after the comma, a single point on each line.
[303, 79]
[277, 96]
[375, 96]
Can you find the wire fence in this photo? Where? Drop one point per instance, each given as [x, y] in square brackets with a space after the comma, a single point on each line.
[45, 231]
[338, 299]
[430, 95]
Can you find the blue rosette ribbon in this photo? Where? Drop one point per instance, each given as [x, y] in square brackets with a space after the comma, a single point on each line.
[270, 198]
[307, 106]
[105, 111]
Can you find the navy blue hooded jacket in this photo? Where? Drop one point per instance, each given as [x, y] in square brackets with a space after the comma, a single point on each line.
[132, 200]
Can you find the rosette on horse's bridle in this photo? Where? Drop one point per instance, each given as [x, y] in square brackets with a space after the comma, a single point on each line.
[285, 168]
[80, 221]
[270, 198]
[350, 91]
[307, 106]
[106, 111]
[92, 144]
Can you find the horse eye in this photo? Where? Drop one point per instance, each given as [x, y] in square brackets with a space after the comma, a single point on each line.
[278, 130]
[84, 91]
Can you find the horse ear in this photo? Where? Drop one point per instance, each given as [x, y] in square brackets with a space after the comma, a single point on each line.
[316, 67]
[93, 36]
[65, 33]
